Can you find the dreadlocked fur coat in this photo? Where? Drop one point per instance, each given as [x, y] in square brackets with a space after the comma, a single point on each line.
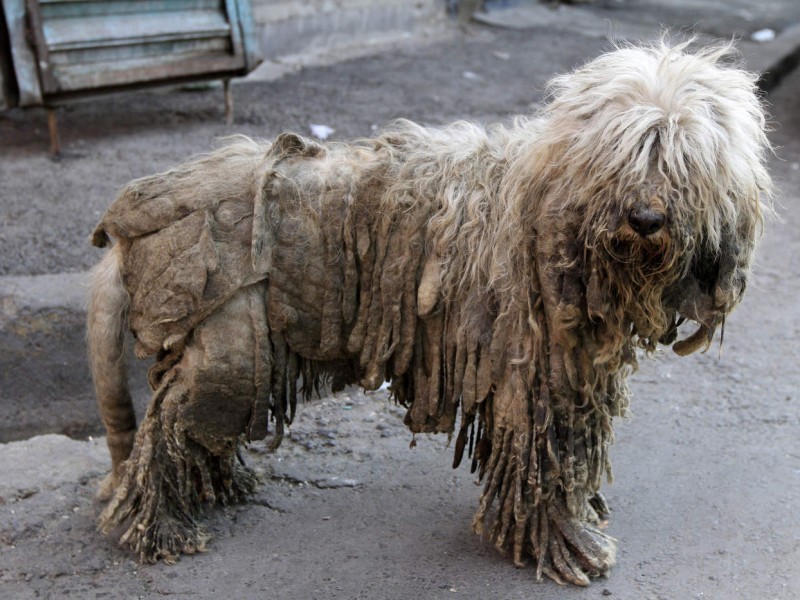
[491, 275]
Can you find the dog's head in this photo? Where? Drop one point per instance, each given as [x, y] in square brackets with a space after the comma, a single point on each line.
[660, 156]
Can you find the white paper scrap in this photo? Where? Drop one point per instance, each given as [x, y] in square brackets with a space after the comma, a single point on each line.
[322, 132]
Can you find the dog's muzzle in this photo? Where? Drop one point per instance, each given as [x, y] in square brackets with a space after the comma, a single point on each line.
[710, 292]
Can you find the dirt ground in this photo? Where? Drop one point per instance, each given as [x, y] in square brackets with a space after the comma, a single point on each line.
[705, 498]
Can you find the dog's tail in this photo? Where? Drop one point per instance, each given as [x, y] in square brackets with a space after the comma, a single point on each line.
[107, 322]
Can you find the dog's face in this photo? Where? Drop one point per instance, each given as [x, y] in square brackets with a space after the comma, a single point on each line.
[663, 154]
[678, 270]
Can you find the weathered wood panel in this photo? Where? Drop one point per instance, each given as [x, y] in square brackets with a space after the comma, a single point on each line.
[7, 89]
[65, 48]
[23, 58]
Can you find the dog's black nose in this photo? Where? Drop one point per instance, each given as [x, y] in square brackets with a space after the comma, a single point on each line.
[645, 221]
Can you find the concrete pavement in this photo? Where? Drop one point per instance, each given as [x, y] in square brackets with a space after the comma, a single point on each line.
[733, 536]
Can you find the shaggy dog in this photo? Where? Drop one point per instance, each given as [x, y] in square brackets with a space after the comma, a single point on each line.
[511, 273]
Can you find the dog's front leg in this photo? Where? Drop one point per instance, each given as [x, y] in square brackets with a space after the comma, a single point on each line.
[539, 501]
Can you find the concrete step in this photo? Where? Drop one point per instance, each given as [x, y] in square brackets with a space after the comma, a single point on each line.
[43, 358]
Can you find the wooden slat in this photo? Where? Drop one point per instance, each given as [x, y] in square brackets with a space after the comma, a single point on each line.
[7, 93]
[25, 68]
[57, 9]
[98, 32]
[155, 51]
[125, 73]
[42, 52]
[240, 16]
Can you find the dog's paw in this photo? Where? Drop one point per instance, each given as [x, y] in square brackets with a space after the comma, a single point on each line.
[576, 551]
[106, 488]
[601, 511]
[166, 538]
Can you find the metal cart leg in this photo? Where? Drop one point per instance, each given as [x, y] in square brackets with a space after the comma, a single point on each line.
[226, 86]
[52, 126]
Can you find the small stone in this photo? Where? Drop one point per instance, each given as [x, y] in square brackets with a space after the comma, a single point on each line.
[336, 482]
[606, 592]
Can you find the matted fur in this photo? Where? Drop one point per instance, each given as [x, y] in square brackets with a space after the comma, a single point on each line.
[495, 271]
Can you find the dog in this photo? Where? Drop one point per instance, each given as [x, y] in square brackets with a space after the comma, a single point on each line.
[509, 275]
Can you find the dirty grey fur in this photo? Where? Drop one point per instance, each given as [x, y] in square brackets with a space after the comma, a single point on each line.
[492, 274]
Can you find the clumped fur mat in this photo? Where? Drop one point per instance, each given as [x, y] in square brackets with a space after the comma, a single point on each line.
[492, 276]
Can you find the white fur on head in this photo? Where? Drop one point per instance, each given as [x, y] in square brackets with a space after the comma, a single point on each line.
[701, 118]
[681, 129]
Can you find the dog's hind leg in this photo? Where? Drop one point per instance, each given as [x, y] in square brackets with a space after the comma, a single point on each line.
[106, 329]
[185, 454]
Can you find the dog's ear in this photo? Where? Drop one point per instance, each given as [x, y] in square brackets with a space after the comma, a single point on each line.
[286, 145]
[290, 144]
